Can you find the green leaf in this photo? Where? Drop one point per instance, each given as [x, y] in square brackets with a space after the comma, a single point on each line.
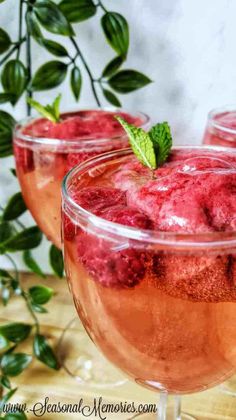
[52, 19]
[112, 66]
[4, 274]
[14, 79]
[15, 416]
[126, 81]
[110, 97]
[27, 239]
[4, 381]
[78, 10]
[5, 41]
[6, 231]
[56, 260]
[15, 207]
[32, 26]
[6, 398]
[49, 75]
[51, 112]
[162, 140]
[7, 123]
[54, 48]
[38, 308]
[40, 294]
[15, 331]
[116, 30]
[44, 352]
[4, 343]
[32, 264]
[13, 171]
[76, 82]
[6, 97]
[13, 364]
[141, 143]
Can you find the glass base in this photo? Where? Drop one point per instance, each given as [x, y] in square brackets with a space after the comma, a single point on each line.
[229, 386]
[81, 359]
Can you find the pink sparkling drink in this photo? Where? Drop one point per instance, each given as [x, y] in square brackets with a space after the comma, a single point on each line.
[151, 263]
[221, 127]
[45, 152]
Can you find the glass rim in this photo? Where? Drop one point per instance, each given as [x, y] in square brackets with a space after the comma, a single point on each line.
[83, 140]
[162, 238]
[216, 111]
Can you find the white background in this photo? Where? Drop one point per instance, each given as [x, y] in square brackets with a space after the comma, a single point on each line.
[186, 47]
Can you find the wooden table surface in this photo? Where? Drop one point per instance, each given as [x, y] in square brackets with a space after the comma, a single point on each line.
[38, 381]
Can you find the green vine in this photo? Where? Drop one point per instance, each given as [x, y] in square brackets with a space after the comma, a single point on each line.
[36, 19]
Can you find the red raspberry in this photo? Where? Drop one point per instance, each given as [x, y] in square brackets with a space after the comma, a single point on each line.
[115, 264]
[96, 199]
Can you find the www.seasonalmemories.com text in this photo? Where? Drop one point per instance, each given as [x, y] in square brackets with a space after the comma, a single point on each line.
[97, 409]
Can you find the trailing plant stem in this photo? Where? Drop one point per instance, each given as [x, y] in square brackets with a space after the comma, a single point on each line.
[23, 293]
[20, 28]
[29, 69]
[92, 81]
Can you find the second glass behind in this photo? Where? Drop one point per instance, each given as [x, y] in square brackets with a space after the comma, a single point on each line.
[221, 127]
[44, 153]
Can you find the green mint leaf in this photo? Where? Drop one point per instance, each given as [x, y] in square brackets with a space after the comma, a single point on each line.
[141, 144]
[40, 294]
[13, 364]
[56, 261]
[50, 112]
[15, 331]
[44, 352]
[162, 140]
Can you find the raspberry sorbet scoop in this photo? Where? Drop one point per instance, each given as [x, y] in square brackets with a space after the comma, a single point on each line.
[193, 192]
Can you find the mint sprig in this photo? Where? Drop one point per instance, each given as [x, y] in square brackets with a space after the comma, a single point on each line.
[151, 148]
[50, 112]
[162, 140]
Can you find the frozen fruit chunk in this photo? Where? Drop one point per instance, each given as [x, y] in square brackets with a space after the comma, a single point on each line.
[115, 264]
[24, 158]
[196, 278]
[197, 195]
[127, 216]
[96, 199]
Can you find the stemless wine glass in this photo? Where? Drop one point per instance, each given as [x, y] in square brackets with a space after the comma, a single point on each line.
[221, 131]
[147, 298]
[221, 127]
[44, 153]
